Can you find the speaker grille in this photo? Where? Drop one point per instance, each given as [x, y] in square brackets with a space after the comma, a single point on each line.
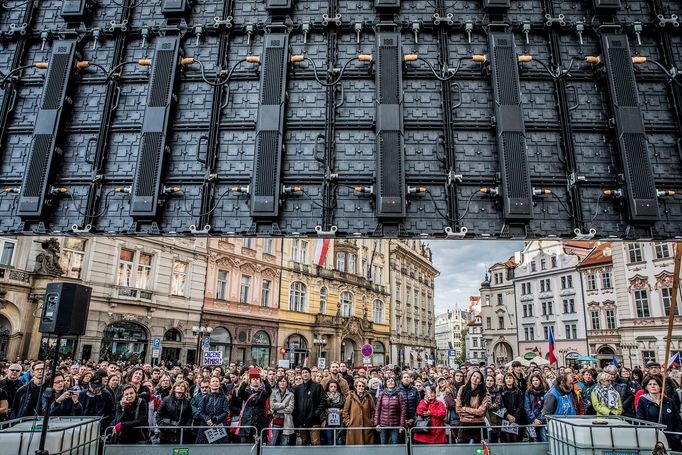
[271, 93]
[37, 168]
[389, 70]
[267, 163]
[56, 81]
[147, 170]
[389, 143]
[159, 94]
[624, 77]
[516, 169]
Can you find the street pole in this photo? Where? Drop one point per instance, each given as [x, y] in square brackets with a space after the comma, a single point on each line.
[671, 320]
[49, 394]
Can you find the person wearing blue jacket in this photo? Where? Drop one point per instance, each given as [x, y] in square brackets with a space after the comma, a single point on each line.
[533, 404]
[212, 411]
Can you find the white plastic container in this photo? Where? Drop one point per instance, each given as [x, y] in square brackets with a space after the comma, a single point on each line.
[65, 435]
[592, 435]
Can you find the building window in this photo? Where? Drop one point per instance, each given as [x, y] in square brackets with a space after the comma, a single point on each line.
[662, 250]
[126, 260]
[545, 330]
[268, 246]
[554, 265]
[499, 299]
[488, 323]
[248, 243]
[667, 297]
[408, 295]
[545, 285]
[323, 300]
[144, 271]
[378, 312]
[547, 308]
[611, 319]
[500, 322]
[351, 263]
[596, 324]
[567, 282]
[474, 342]
[71, 258]
[341, 262]
[244, 289]
[529, 333]
[648, 356]
[571, 331]
[635, 252]
[265, 293]
[179, 278]
[543, 264]
[642, 303]
[7, 250]
[532, 266]
[221, 285]
[298, 293]
[569, 306]
[303, 253]
[398, 292]
[606, 280]
[525, 288]
[591, 282]
[346, 302]
[527, 310]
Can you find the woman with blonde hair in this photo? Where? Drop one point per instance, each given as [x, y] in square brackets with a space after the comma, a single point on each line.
[175, 411]
[358, 411]
[605, 398]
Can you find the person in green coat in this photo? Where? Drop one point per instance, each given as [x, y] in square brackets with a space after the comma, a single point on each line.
[605, 398]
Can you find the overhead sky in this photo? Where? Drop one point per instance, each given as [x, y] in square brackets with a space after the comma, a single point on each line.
[462, 266]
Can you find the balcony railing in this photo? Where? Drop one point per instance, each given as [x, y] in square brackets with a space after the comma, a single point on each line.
[127, 292]
[9, 274]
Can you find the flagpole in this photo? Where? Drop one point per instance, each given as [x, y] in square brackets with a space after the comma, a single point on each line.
[671, 320]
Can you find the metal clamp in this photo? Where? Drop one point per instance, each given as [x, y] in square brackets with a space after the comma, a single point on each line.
[550, 21]
[326, 234]
[468, 28]
[336, 19]
[663, 21]
[452, 234]
[219, 22]
[448, 19]
[205, 231]
[122, 26]
[579, 235]
[77, 230]
[20, 29]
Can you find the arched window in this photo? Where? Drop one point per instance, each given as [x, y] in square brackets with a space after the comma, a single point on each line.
[260, 349]
[378, 312]
[297, 349]
[298, 296]
[172, 335]
[346, 303]
[124, 340]
[323, 300]
[221, 340]
[379, 355]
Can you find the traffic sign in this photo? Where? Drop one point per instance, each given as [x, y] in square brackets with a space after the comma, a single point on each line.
[157, 343]
[322, 363]
[207, 342]
[156, 353]
[366, 361]
[367, 350]
[452, 352]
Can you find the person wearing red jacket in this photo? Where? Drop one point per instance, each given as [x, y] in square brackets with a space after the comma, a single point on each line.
[435, 409]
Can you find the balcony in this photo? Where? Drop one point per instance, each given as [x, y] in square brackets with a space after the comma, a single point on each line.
[133, 293]
[10, 275]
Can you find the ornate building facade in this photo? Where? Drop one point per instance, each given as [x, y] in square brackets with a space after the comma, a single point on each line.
[412, 277]
[334, 298]
[142, 289]
[241, 303]
[498, 312]
[448, 335]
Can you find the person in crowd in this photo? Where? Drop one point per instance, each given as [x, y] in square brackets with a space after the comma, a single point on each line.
[434, 410]
[649, 409]
[495, 406]
[163, 387]
[358, 411]
[606, 400]
[282, 409]
[66, 402]
[533, 405]
[335, 402]
[254, 392]
[96, 401]
[472, 404]
[587, 383]
[131, 417]
[411, 397]
[561, 399]
[9, 385]
[175, 410]
[622, 386]
[390, 412]
[114, 384]
[335, 375]
[343, 371]
[212, 410]
[519, 375]
[670, 384]
[28, 398]
[309, 402]
[136, 378]
[513, 399]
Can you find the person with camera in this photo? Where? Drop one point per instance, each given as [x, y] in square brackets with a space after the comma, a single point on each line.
[66, 402]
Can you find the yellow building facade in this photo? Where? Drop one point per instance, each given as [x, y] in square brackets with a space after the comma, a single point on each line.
[333, 304]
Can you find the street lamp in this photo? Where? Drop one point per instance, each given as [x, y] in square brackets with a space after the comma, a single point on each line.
[200, 332]
[319, 342]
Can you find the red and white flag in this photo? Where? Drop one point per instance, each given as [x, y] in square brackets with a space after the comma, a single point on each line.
[321, 251]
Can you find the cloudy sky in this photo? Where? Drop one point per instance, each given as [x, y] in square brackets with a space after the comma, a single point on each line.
[462, 266]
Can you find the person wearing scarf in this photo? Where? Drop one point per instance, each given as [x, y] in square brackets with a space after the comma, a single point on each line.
[131, 414]
[495, 404]
[335, 403]
[513, 398]
[649, 408]
[605, 398]
[212, 411]
[255, 397]
[533, 404]
[358, 412]
[390, 412]
[472, 404]
[282, 408]
[435, 410]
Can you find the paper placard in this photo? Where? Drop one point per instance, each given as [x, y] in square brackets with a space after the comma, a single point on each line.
[214, 434]
[509, 427]
[213, 357]
[531, 432]
[334, 418]
[283, 363]
[500, 412]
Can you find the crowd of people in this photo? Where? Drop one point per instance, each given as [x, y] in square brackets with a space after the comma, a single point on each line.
[337, 405]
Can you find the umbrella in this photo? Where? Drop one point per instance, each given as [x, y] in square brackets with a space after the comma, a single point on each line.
[540, 361]
[523, 361]
[586, 358]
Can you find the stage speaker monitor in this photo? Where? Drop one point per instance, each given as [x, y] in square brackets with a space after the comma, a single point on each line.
[65, 311]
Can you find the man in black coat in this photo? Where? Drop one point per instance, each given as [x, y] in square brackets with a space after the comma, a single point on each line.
[97, 401]
[309, 406]
[28, 399]
[10, 385]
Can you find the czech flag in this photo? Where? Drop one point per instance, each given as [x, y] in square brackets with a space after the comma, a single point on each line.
[550, 338]
[674, 361]
[321, 251]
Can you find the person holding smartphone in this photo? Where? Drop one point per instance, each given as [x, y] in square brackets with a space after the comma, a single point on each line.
[66, 402]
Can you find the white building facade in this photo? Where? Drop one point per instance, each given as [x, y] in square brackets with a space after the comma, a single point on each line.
[498, 313]
[448, 331]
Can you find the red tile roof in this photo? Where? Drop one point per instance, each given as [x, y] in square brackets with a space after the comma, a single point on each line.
[597, 256]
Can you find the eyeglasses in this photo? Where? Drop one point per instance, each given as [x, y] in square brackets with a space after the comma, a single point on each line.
[15, 371]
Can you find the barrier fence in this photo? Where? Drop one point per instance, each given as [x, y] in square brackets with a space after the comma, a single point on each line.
[65, 436]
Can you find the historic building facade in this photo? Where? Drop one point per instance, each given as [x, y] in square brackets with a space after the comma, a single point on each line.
[142, 289]
[241, 303]
[334, 299]
[643, 277]
[549, 295]
[498, 312]
[412, 277]
[448, 335]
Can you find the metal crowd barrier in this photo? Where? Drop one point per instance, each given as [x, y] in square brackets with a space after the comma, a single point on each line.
[376, 448]
[678, 435]
[465, 448]
[65, 436]
[183, 447]
[597, 435]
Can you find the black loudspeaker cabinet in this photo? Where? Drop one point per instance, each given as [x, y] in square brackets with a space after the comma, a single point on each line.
[65, 311]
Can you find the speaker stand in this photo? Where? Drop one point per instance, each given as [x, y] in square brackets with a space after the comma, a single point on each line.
[49, 394]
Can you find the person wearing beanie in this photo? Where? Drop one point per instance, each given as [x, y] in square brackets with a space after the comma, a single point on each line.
[254, 411]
